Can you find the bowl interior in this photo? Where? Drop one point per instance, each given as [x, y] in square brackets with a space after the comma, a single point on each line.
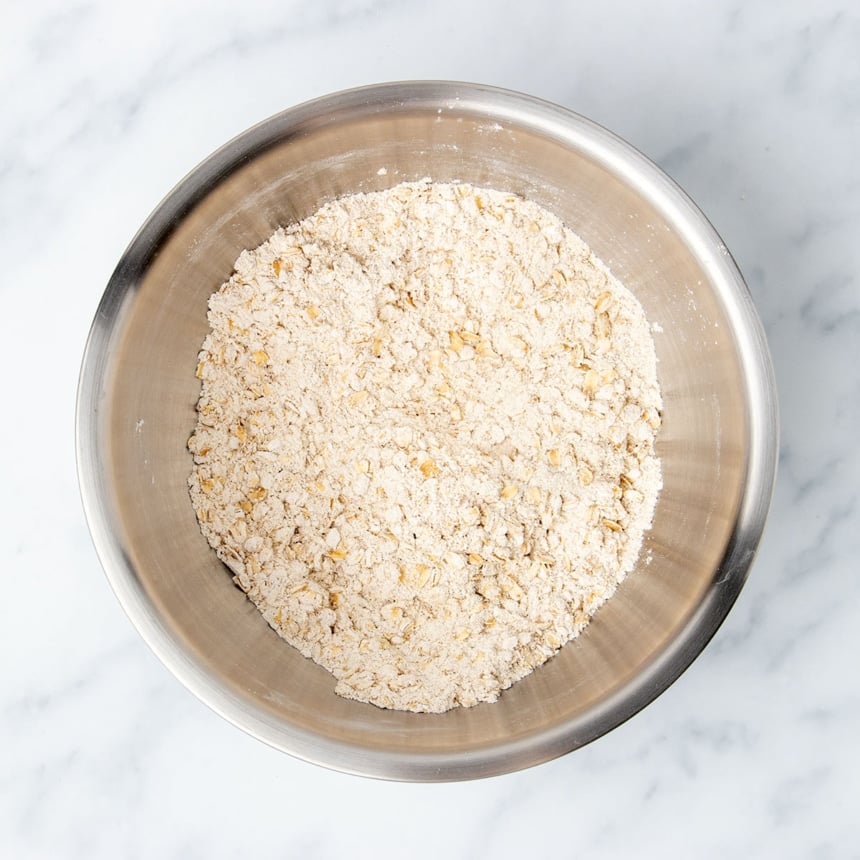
[143, 355]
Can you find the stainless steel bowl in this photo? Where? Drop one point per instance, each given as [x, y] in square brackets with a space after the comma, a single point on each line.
[137, 394]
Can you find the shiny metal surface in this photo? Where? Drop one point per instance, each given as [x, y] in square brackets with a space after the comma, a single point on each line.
[136, 410]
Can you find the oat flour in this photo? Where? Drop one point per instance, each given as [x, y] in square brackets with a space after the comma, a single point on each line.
[425, 444]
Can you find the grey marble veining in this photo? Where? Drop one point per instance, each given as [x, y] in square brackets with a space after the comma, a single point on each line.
[753, 107]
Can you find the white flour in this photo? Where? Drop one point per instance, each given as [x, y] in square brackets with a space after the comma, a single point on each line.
[425, 439]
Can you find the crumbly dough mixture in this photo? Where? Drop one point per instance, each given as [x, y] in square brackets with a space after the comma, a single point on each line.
[425, 439]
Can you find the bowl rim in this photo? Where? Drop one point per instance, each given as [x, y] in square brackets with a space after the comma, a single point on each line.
[641, 174]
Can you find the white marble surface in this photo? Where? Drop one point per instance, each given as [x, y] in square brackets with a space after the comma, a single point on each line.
[754, 107]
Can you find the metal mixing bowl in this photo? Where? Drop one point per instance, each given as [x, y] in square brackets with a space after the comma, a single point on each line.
[137, 395]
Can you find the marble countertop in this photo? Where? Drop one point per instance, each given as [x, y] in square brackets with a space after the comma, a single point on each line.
[752, 107]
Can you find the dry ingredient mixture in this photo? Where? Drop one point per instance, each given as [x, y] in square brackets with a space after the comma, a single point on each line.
[425, 444]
